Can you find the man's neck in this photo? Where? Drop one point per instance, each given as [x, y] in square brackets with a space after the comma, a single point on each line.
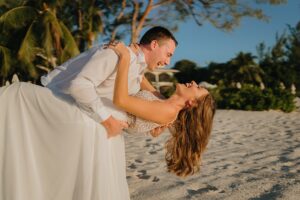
[145, 50]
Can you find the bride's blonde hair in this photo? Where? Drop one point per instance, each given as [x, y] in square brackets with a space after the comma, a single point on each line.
[190, 134]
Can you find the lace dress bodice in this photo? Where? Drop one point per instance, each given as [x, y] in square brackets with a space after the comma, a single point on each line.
[139, 125]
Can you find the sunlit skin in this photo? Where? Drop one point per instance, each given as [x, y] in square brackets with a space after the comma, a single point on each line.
[186, 94]
[161, 54]
[158, 53]
[191, 90]
[190, 111]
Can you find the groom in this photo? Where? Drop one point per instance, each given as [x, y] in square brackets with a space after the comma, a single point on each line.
[90, 76]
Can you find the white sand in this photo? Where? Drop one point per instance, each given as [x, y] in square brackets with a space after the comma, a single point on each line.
[251, 155]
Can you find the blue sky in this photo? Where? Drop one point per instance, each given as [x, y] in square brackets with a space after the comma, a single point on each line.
[206, 43]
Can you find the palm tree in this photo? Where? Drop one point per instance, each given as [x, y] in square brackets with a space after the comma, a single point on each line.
[33, 39]
[243, 69]
[187, 71]
[84, 19]
[281, 63]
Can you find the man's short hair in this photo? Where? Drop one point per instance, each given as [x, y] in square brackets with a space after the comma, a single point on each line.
[158, 33]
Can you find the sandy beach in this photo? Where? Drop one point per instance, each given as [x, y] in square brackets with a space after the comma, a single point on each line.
[251, 155]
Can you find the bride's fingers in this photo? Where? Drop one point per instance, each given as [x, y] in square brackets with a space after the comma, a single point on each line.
[124, 124]
[118, 46]
[113, 43]
[134, 47]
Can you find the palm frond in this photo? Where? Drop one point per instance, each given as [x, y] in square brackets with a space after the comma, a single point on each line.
[52, 34]
[47, 40]
[30, 69]
[28, 48]
[17, 18]
[5, 61]
[70, 47]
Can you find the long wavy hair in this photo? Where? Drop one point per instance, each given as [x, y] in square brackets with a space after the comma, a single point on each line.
[189, 137]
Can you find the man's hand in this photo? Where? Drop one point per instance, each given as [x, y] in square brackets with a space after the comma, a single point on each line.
[114, 126]
[158, 95]
[157, 131]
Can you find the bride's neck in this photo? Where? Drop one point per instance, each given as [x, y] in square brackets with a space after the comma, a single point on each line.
[176, 101]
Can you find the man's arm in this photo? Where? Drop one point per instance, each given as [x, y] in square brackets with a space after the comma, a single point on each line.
[146, 85]
[83, 89]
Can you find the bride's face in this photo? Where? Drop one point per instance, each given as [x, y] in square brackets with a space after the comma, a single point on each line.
[190, 91]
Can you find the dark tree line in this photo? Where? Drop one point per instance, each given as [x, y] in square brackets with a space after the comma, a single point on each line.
[268, 80]
[276, 66]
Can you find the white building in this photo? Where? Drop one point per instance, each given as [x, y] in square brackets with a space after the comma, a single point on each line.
[161, 77]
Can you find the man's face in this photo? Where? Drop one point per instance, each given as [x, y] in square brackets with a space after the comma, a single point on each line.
[161, 53]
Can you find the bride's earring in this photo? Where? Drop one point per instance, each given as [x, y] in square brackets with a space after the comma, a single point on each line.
[188, 104]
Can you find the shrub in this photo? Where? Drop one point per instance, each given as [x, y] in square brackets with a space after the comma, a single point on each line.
[251, 97]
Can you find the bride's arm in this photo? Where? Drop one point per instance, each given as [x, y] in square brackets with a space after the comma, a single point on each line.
[156, 111]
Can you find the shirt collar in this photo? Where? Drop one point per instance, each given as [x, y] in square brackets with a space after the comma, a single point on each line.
[141, 59]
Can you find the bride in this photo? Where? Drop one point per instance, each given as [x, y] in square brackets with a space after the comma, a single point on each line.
[190, 111]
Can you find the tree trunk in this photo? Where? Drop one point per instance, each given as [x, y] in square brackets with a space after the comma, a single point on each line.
[136, 26]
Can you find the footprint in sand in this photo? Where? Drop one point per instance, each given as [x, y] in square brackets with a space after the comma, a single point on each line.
[138, 161]
[143, 175]
[155, 179]
[132, 166]
[147, 145]
[152, 152]
[208, 188]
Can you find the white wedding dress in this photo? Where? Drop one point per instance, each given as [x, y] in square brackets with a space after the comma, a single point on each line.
[51, 150]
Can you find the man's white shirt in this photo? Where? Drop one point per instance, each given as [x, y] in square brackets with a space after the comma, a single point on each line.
[90, 76]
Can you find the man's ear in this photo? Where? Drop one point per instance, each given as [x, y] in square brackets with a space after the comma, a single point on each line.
[154, 44]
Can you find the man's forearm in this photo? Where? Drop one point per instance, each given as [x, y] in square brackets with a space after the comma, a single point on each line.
[146, 85]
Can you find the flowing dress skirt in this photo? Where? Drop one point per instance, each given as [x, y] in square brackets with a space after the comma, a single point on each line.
[51, 150]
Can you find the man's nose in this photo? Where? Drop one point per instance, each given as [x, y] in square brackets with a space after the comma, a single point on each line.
[167, 62]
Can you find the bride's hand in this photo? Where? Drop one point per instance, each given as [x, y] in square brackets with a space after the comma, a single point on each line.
[134, 47]
[120, 48]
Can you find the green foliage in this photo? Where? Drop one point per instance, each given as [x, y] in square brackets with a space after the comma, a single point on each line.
[167, 91]
[277, 66]
[40, 34]
[5, 59]
[187, 70]
[251, 97]
[293, 54]
[32, 39]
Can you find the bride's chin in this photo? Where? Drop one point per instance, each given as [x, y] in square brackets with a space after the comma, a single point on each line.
[177, 88]
[179, 85]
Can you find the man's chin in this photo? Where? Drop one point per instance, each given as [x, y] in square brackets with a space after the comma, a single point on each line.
[151, 68]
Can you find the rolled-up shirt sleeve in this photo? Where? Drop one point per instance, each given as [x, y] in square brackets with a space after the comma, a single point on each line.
[83, 88]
